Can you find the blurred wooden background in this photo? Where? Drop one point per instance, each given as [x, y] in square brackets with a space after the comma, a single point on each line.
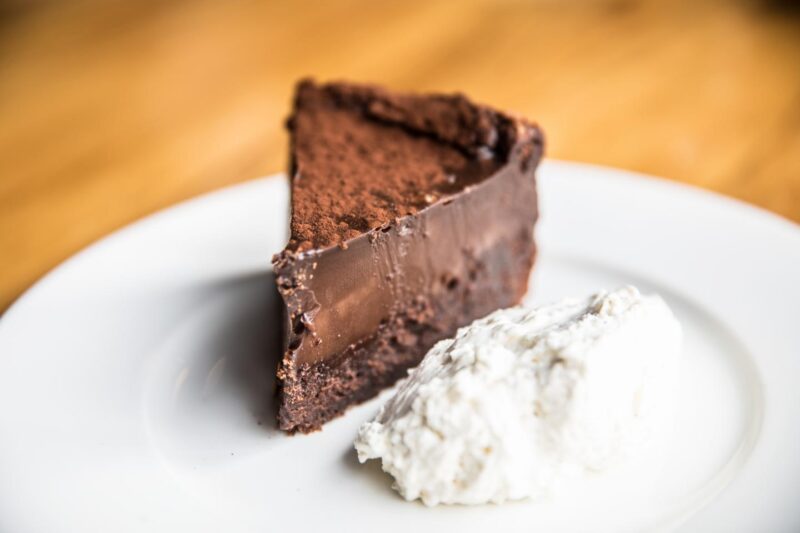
[111, 110]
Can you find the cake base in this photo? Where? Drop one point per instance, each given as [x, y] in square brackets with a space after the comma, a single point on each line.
[310, 394]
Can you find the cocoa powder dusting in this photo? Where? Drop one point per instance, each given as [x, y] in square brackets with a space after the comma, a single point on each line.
[362, 157]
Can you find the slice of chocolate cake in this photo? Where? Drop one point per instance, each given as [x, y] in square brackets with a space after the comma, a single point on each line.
[412, 215]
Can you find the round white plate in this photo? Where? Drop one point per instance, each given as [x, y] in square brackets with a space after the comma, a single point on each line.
[135, 379]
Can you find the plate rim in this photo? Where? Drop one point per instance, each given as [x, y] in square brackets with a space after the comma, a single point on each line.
[610, 171]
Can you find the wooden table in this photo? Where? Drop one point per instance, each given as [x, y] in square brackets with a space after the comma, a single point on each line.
[111, 110]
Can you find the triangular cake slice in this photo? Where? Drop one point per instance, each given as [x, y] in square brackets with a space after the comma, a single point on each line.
[412, 215]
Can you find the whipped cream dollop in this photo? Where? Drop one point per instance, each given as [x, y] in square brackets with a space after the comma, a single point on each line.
[501, 410]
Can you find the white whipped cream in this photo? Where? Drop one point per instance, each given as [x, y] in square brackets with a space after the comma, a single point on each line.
[500, 411]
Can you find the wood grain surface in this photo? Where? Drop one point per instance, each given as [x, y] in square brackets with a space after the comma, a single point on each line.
[112, 110]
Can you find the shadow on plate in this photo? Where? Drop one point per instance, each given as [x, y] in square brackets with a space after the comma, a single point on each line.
[254, 341]
[232, 351]
[370, 471]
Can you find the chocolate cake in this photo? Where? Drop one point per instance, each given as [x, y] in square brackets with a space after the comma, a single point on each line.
[412, 215]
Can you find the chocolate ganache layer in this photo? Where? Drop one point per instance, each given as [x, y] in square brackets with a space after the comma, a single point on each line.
[412, 215]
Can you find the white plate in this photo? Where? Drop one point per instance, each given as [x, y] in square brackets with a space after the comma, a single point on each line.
[134, 378]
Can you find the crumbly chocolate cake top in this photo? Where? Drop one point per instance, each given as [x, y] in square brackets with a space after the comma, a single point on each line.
[362, 157]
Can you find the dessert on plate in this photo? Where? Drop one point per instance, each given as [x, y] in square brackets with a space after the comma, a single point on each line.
[411, 216]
